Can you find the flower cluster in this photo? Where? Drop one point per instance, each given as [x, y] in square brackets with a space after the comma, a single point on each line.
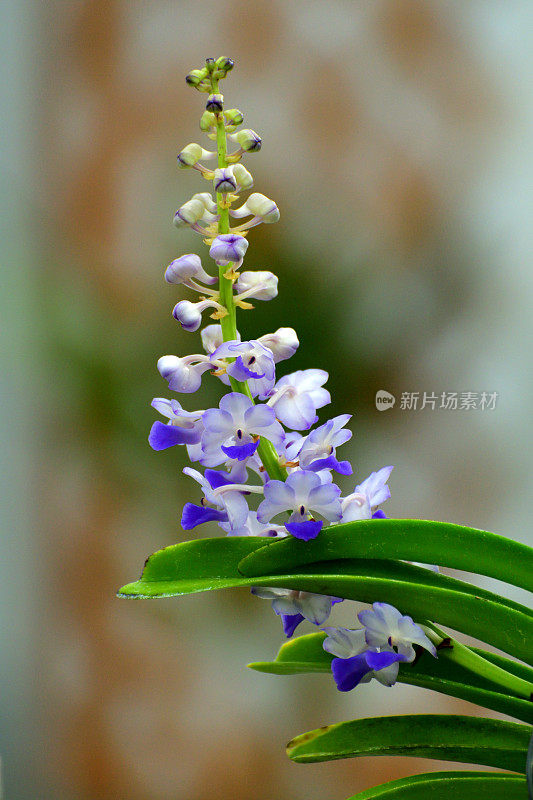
[264, 438]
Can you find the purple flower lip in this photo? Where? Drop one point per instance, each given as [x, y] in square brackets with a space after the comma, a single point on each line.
[195, 515]
[163, 436]
[306, 530]
[290, 622]
[240, 451]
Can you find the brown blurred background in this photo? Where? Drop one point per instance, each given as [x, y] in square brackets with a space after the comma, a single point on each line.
[397, 146]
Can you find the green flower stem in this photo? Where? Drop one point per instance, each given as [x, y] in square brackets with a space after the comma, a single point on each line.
[266, 450]
[452, 650]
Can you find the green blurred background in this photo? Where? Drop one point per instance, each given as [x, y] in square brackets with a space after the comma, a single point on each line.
[397, 144]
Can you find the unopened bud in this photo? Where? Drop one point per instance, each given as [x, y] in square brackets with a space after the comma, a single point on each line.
[228, 247]
[264, 207]
[224, 64]
[187, 267]
[191, 154]
[260, 206]
[248, 140]
[189, 213]
[207, 121]
[188, 315]
[233, 117]
[224, 180]
[207, 201]
[261, 284]
[211, 337]
[215, 103]
[283, 343]
[195, 76]
[243, 177]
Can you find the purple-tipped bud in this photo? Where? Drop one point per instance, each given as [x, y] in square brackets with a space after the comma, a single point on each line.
[189, 155]
[195, 77]
[224, 180]
[188, 315]
[224, 64]
[248, 140]
[228, 247]
[187, 267]
[215, 103]
[189, 213]
[261, 206]
[233, 118]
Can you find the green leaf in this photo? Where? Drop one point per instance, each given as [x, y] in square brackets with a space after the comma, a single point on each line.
[424, 541]
[306, 655]
[447, 737]
[450, 786]
[213, 564]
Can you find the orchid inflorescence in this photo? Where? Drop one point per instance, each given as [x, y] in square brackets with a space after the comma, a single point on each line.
[263, 440]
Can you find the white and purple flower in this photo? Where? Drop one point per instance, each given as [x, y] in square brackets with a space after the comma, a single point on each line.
[302, 493]
[386, 627]
[296, 398]
[357, 663]
[317, 450]
[370, 493]
[253, 363]
[183, 427]
[223, 501]
[376, 650]
[294, 606]
[234, 430]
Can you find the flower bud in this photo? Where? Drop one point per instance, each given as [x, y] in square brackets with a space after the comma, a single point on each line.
[259, 206]
[262, 206]
[248, 140]
[207, 201]
[195, 77]
[224, 180]
[187, 267]
[188, 315]
[233, 118]
[283, 343]
[189, 213]
[261, 284]
[211, 337]
[215, 103]
[224, 64]
[243, 177]
[228, 247]
[191, 154]
[207, 121]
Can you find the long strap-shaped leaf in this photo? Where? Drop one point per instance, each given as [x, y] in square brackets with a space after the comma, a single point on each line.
[425, 541]
[447, 737]
[450, 786]
[305, 654]
[212, 564]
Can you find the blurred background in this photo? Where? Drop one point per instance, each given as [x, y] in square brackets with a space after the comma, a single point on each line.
[397, 144]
